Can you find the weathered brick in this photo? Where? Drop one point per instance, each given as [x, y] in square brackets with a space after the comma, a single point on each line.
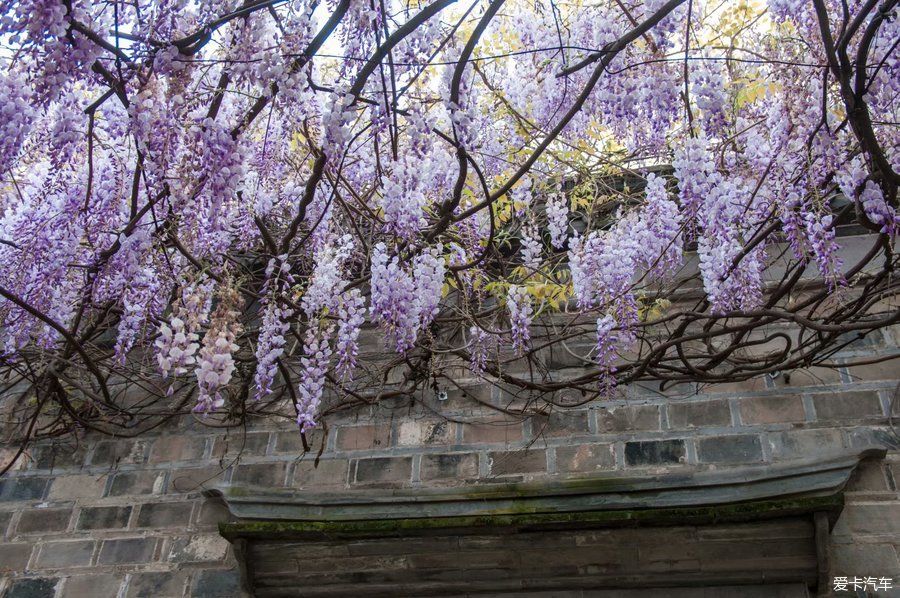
[14, 489]
[560, 423]
[260, 474]
[129, 550]
[77, 486]
[104, 517]
[745, 448]
[193, 479]
[5, 518]
[654, 452]
[870, 372]
[806, 377]
[177, 448]
[453, 466]
[363, 438]
[698, 414]
[120, 452]
[499, 431]
[510, 397]
[14, 557]
[384, 469]
[291, 442]
[468, 398]
[512, 462]
[844, 406]
[869, 476]
[426, 433]
[755, 384]
[137, 483]
[558, 357]
[251, 444]
[875, 518]
[197, 549]
[65, 554]
[869, 436]
[35, 587]
[58, 456]
[216, 584]
[43, 520]
[328, 473]
[771, 410]
[628, 418]
[156, 585]
[585, 457]
[797, 444]
[92, 585]
[654, 389]
[170, 514]
[877, 558]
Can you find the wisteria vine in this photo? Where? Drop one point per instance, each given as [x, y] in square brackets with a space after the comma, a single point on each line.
[257, 206]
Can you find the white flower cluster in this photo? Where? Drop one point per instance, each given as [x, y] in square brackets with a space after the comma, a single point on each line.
[216, 363]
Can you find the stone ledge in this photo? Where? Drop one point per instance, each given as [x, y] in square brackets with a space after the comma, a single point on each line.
[806, 479]
[526, 522]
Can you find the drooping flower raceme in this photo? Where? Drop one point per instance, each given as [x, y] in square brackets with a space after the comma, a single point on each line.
[854, 184]
[729, 286]
[403, 201]
[518, 303]
[479, 348]
[605, 354]
[428, 277]
[216, 362]
[557, 219]
[315, 364]
[878, 210]
[405, 301]
[270, 346]
[16, 115]
[694, 170]
[328, 277]
[176, 347]
[604, 264]
[322, 299]
[351, 315]
[531, 249]
[708, 90]
[655, 230]
[140, 283]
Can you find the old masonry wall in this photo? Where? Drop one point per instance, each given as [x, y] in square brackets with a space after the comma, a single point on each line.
[126, 518]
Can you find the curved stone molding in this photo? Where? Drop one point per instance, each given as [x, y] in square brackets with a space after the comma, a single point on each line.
[809, 482]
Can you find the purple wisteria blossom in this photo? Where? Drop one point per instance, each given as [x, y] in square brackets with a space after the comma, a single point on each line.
[518, 303]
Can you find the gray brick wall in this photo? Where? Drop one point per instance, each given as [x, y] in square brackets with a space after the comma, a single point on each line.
[125, 517]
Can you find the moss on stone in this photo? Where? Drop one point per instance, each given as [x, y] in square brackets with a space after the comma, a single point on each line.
[524, 517]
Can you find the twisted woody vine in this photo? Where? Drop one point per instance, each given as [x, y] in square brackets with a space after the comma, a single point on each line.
[208, 206]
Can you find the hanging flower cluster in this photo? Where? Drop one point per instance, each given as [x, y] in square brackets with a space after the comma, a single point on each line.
[315, 365]
[215, 364]
[605, 265]
[405, 300]
[557, 219]
[351, 316]
[177, 343]
[479, 348]
[518, 303]
[274, 326]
